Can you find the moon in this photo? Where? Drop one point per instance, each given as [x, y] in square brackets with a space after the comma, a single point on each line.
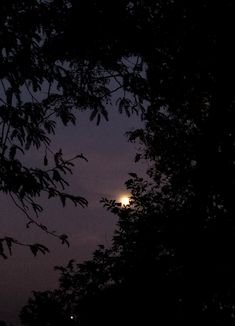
[125, 200]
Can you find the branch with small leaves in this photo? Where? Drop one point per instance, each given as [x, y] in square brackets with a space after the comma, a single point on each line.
[7, 243]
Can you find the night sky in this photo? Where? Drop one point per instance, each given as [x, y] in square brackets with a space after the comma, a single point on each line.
[173, 257]
[110, 159]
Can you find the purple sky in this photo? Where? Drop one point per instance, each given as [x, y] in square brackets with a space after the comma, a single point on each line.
[111, 158]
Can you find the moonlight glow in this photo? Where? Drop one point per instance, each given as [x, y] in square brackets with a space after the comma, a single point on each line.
[125, 200]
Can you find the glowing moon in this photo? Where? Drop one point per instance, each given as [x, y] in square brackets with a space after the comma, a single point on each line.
[125, 201]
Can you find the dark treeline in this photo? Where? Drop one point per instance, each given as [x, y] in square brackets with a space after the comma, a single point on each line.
[172, 255]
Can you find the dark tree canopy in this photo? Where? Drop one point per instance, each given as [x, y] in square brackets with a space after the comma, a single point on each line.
[172, 257]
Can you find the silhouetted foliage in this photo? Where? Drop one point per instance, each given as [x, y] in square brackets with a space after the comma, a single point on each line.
[48, 308]
[151, 273]
[47, 74]
[2, 323]
[172, 256]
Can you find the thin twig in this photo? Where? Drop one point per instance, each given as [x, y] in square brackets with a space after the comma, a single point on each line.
[31, 220]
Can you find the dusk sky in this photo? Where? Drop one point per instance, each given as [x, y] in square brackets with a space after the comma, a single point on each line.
[110, 159]
[100, 63]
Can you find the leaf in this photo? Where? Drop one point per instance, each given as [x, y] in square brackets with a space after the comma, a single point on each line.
[98, 120]
[45, 160]
[50, 126]
[82, 156]
[93, 115]
[43, 249]
[2, 250]
[137, 157]
[64, 239]
[133, 175]
[105, 114]
[37, 208]
[58, 157]
[56, 176]
[28, 224]
[9, 242]
[63, 199]
[34, 249]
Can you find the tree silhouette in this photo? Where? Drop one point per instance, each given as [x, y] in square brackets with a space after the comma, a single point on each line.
[172, 257]
[47, 76]
[150, 274]
[116, 285]
[47, 308]
[189, 137]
